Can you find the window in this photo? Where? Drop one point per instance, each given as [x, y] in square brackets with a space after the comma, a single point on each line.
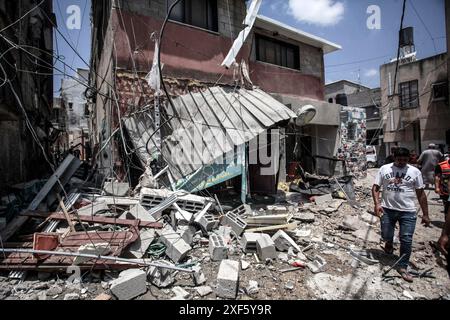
[199, 13]
[70, 106]
[351, 131]
[277, 52]
[409, 96]
[440, 91]
[372, 112]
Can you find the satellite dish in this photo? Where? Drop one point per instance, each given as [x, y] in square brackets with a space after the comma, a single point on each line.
[305, 115]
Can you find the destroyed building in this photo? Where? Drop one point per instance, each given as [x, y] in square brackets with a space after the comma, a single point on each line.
[286, 64]
[26, 88]
[75, 106]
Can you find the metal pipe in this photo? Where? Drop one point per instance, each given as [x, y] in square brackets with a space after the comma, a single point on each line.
[93, 256]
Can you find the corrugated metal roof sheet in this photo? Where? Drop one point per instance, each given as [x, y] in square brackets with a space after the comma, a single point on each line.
[209, 124]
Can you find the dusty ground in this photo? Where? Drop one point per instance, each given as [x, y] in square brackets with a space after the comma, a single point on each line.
[342, 278]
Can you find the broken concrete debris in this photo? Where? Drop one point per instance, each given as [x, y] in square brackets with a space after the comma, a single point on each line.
[283, 242]
[130, 284]
[228, 279]
[204, 290]
[181, 239]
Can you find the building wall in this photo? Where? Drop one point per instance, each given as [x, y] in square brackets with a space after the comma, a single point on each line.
[21, 159]
[353, 150]
[342, 87]
[192, 56]
[431, 119]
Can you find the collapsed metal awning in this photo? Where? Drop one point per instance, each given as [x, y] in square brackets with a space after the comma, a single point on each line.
[208, 125]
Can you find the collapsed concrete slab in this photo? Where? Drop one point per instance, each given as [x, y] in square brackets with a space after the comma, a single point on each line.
[228, 279]
[130, 284]
[265, 248]
[283, 242]
[217, 248]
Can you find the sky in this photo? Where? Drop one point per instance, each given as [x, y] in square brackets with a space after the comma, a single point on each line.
[343, 22]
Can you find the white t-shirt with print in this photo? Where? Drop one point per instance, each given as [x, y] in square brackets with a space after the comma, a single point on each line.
[399, 186]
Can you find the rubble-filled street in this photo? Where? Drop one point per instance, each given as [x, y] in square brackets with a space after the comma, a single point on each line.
[290, 250]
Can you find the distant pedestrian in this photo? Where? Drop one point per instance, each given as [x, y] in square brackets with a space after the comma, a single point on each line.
[390, 158]
[428, 161]
[442, 182]
[400, 183]
[413, 158]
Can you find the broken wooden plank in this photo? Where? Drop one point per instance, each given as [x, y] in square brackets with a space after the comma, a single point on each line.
[290, 226]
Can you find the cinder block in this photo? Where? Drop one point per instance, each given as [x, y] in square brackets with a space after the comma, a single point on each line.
[266, 248]
[228, 279]
[209, 222]
[130, 284]
[283, 242]
[248, 242]
[217, 248]
[176, 247]
[235, 222]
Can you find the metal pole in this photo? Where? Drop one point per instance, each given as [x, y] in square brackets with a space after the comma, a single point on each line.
[93, 256]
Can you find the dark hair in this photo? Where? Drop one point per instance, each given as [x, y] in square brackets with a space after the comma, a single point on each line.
[401, 152]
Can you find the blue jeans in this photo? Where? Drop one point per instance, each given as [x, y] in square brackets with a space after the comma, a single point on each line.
[407, 221]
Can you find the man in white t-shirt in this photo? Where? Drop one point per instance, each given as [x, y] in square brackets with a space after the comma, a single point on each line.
[401, 184]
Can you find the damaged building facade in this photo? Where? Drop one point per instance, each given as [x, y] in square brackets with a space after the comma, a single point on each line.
[285, 65]
[25, 88]
[419, 114]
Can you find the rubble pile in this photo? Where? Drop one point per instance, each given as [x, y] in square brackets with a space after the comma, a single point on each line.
[162, 244]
